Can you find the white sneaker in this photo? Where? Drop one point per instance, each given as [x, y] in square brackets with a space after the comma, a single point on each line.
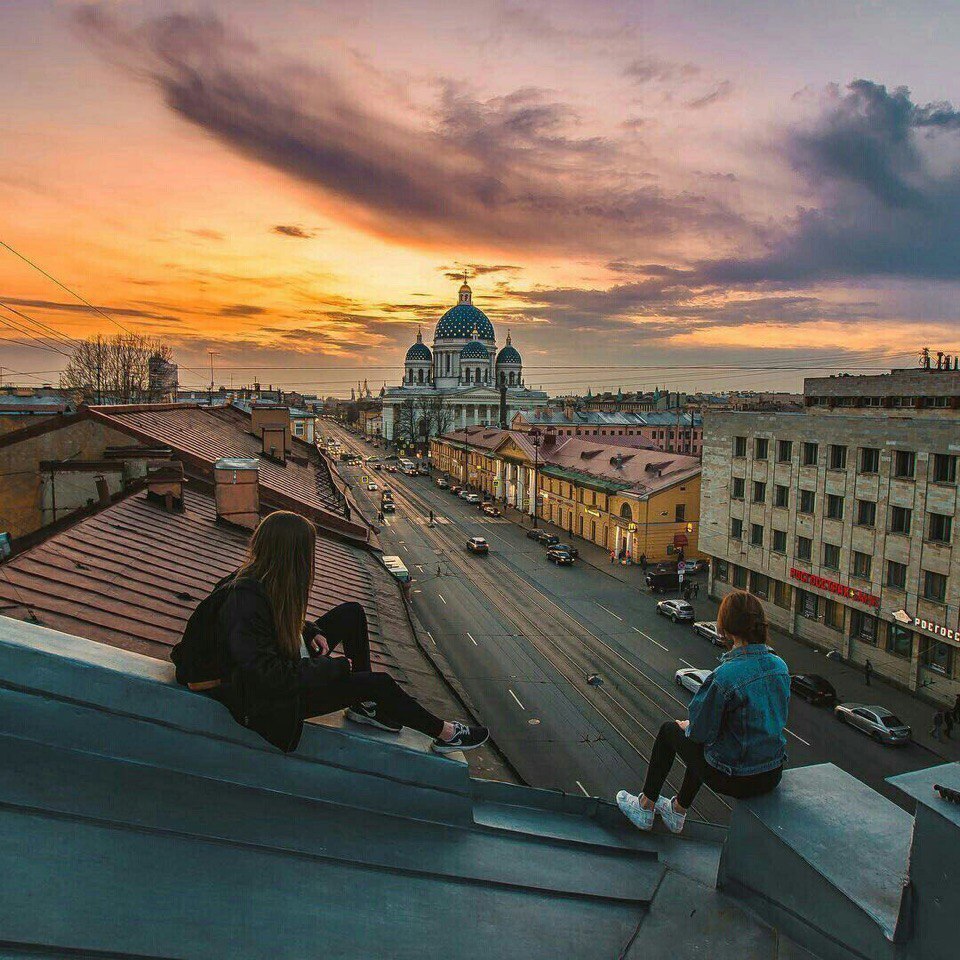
[630, 806]
[673, 820]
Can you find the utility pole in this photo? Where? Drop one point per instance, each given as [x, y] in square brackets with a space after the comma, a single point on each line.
[212, 353]
[536, 439]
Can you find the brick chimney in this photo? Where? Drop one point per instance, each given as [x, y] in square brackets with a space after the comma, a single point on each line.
[237, 482]
[165, 483]
[271, 422]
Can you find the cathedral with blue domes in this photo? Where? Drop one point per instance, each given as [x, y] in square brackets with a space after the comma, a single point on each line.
[461, 381]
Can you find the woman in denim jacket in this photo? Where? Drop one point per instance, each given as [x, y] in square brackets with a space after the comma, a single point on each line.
[733, 741]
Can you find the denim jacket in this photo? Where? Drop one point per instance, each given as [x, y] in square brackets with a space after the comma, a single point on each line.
[740, 711]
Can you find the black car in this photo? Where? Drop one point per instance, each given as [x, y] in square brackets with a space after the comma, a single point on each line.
[541, 536]
[573, 551]
[661, 581]
[560, 556]
[813, 688]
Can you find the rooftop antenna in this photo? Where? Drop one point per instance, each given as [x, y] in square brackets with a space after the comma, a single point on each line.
[212, 353]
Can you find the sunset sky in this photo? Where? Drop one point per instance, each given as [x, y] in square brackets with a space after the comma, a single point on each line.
[699, 193]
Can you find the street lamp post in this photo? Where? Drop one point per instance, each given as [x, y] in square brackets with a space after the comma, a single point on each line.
[536, 439]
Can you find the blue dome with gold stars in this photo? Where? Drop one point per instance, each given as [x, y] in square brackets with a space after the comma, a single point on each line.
[474, 350]
[509, 354]
[464, 320]
[419, 351]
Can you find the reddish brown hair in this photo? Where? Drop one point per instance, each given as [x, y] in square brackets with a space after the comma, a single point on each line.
[741, 615]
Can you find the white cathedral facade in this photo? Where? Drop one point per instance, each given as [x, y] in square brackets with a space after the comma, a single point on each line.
[460, 382]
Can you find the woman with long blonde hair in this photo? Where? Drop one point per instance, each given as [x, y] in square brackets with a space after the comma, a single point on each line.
[249, 645]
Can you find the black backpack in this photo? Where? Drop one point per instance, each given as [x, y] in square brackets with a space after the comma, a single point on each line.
[197, 655]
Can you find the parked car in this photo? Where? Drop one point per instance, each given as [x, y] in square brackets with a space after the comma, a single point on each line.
[813, 688]
[478, 545]
[694, 566]
[690, 678]
[560, 556]
[660, 581]
[391, 468]
[708, 629]
[378, 466]
[442, 484]
[676, 610]
[371, 486]
[573, 551]
[490, 510]
[875, 721]
[423, 469]
[549, 540]
[463, 493]
[537, 535]
[472, 498]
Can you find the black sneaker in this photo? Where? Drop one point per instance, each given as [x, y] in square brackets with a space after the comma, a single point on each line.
[367, 713]
[464, 738]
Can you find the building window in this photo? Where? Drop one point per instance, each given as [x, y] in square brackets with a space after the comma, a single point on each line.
[810, 453]
[756, 534]
[807, 604]
[804, 548]
[739, 576]
[904, 464]
[863, 627]
[861, 564]
[720, 570]
[939, 527]
[896, 575]
[899, 641]
[680, 513]
[833, 614]
[759, 491]
[831, 556]
[866, 513]
[761, 448]
[737, 491]
[838, 457]
[782, 594]
[900, 519]
[869, 460]
[784, 451]
[739, 446]
[936, 655]
[779, 541]
[944, 468]
[736, 529]
[760, 584]
[808, 501]
[834, 506]
[934, 586]
[781, 495]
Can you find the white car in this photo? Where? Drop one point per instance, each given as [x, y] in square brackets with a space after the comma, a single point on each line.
[708, 629]
[472, 498]
[690, 678]
[371, 486]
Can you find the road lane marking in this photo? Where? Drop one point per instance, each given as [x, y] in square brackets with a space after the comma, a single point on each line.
[470, 635]
[792, 734]
[582, 787]
[648, 637]
[430, 635]
[419, 566]
[687, 662]
[515, 697]
[440, 595]
[612, 614]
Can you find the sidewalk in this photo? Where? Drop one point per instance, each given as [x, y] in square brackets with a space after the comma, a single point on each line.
[848, 680]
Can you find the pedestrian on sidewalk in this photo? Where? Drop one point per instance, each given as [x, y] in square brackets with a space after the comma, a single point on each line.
[643, 567]
[696, 589]
[613, 557]
[867, 671]
[937, 726]
[948, 723]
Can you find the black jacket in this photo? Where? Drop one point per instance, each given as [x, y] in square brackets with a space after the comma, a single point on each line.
[232, 637]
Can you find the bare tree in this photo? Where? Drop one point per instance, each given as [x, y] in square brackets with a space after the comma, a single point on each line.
[405, 424]
[439, 415]
[116, 368]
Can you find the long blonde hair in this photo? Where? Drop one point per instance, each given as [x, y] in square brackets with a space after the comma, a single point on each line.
[281, 557]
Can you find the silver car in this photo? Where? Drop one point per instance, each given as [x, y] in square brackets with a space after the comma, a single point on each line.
[708, 629]
[875, 721]
[690, 678]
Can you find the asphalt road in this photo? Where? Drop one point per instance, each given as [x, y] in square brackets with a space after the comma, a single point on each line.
[523, 635]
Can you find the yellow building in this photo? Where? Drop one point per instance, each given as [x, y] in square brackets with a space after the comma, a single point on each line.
[627, 500]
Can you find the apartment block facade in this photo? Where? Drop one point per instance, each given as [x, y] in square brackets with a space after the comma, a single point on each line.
[843, 521]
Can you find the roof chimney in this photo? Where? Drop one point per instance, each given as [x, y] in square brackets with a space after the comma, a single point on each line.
[237, 482]
[165, 483]
[271, 422]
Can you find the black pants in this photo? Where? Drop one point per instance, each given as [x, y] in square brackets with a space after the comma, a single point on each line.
[346, 627]
[672, 741]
